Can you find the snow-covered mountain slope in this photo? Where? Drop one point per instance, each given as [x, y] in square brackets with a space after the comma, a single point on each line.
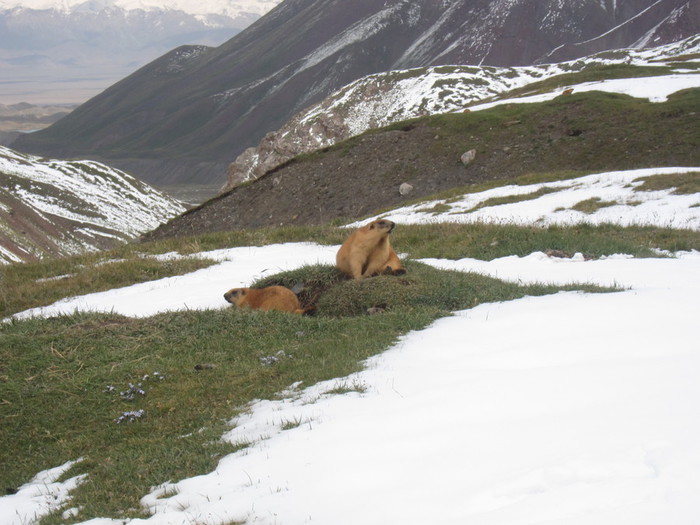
[385, 98]
[68, 51]
[54, 208]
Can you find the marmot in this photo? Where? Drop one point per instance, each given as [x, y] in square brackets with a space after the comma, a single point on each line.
[368, 251]
[269, 298]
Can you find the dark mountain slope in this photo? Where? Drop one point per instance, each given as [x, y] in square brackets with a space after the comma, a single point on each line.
[585, 132]
[655, 24]
[185, 116]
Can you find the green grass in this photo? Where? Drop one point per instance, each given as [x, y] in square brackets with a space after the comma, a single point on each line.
[592, 205]
[29, 285]
[583, 117]
[510, 199]
[490, 241]
[592, 131]
[38, 284]
[681, 183]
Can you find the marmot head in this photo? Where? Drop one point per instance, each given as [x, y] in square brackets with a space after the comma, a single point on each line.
[382, 224]
[235, 295]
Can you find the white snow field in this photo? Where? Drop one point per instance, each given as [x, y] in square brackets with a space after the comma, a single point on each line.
[548, 203]
[572, 408]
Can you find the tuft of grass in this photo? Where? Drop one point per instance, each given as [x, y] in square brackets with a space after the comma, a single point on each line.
[345, 387]
[592, 205]
[289, 424]
[334, 295]
[436, 209]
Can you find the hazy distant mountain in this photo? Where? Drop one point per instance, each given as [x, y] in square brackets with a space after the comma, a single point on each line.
[186, 115]
[54, 51]
[28, 117]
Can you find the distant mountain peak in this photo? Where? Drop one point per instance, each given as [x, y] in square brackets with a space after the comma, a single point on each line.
[57, 51]
[230, 8]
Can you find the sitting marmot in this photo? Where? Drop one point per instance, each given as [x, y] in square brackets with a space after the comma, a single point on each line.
[368, 252]
[269, 298]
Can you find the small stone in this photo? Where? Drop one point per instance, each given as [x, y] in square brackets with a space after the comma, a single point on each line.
[468, 157]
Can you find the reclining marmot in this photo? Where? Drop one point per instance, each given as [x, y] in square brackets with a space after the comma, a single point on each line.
[269, 298]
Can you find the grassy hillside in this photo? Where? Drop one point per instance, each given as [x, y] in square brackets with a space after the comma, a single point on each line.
[64, 382]
[580, 133]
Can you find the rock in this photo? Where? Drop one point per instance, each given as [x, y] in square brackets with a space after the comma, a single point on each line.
[468, 157]
[270, 360]
[300, 135]
[405, 188]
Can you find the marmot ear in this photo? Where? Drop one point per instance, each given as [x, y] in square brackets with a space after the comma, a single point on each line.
[371, 226]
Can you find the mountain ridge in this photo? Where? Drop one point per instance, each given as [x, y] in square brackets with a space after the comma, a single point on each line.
[228, 98]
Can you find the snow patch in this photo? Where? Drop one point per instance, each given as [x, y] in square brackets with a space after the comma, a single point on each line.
[43, 495]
